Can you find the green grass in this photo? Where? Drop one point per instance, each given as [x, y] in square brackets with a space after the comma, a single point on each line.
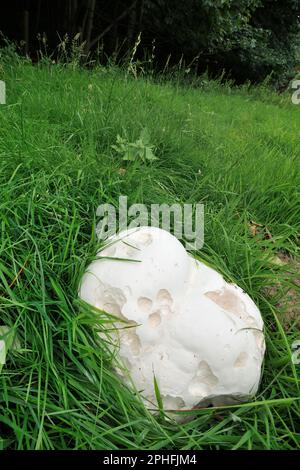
[235, 150]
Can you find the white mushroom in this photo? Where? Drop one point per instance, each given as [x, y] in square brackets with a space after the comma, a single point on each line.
[201, 337]
[8, 340]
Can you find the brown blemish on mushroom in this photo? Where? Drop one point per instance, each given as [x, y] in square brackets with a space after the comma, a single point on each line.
[204, 380]
[206, 374]
[154, 319]
[251, 322]
[164, 297]
[241, 360]
[112, 300]
[229, 301]
[145, 304]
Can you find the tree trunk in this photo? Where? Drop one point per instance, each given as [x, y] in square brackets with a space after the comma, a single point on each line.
[119, 18]
[140, 15]
[114, 34]
[131, 26]
[26, 31]
[90, 24]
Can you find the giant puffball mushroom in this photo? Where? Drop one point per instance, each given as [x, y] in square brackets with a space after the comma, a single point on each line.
[201, 337]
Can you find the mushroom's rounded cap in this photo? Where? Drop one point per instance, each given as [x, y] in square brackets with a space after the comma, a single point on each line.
[201, 337]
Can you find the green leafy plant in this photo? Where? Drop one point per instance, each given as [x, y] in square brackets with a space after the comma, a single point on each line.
[141, 149]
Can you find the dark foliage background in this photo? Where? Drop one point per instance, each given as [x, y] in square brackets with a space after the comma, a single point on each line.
[248, 39]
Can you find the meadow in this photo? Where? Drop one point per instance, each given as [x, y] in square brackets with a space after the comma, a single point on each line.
[235, 149]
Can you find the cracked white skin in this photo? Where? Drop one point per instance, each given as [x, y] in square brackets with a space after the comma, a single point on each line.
[201, 336]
